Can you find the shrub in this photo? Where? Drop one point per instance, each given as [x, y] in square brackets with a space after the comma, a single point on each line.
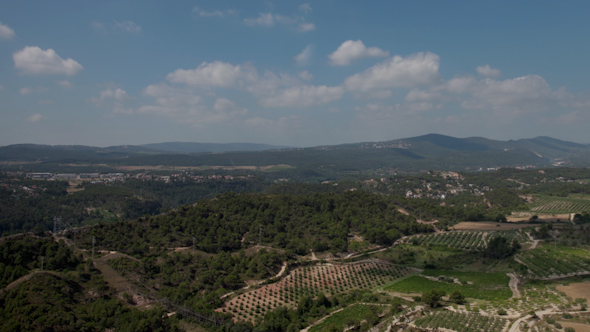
[502, 312]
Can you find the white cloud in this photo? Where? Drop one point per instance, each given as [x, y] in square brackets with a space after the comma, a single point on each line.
[305, 27]
[36, 118]
[118, 95]
[226, 105]
[263, 19]
[488, 71]
[422, 95]
[305, 75]
[32, 60]
[214, 13]
[406, 72]
[272, 90]
[304, 57]
[27, 90]
[185, 106]
[97, 26]
[306, 8]
[127, 26]
[6, 32]
[270, 20]
[305, 96]
[66, 84]
[353, 50]
[214, 74]
[529, 92]
[372, 111]
[285, 122]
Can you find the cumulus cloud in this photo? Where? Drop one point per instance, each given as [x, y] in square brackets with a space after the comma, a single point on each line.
[214, 13]
[66, 84]
[123, 26]
[270, 20]
[36, 118]
[27, 90]
[373, 111]
[306, 8]
[118, 95]
[6, 32]
[397, 72]
[127, 26]
[32, 60]
[271, 90]
[285, 122]
[353, 50]
[304, 57]
[488, 71]
[305, 96]
[183, 105]
[213, 74]
[522, 93]
[305, 75]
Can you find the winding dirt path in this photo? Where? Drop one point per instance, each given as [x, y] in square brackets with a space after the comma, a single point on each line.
[278, 275]
[514, 285]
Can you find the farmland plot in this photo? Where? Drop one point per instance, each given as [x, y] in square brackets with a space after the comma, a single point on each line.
[311, 281]
[462, 322]
[546, 263]
[469, 240]
[552, 204]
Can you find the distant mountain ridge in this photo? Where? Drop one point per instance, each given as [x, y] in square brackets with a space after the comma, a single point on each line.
[189, 147]
[432, 151]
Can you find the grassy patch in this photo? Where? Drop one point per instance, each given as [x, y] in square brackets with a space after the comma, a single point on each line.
[480, 289]
[352, 315]
[477, 278]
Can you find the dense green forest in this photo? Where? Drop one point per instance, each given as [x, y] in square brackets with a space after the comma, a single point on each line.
[294, 222]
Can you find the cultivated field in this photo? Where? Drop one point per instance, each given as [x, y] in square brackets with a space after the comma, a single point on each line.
[469, 240]
[462, 322]
[487, 226]
[311, 281]
[578, 327]
[547, 263]
[577, 290]
[350, 315]
[552, 204]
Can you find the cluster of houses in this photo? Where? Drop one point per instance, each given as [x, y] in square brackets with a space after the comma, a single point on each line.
[73, 176]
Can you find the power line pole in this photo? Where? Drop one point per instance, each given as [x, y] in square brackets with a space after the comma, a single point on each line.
[259, 235]
[56, 224]
[194, 243]
[93, 242]
[42, 259]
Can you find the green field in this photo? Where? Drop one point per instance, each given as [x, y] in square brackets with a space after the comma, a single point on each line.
[351, 315]
[461, 322]
[545, 261]
[485, 286]
[468, 240]
[553, 204]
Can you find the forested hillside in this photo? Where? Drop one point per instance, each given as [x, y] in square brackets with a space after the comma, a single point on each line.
[321, 222]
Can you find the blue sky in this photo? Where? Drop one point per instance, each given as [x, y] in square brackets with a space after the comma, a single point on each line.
[292, 73]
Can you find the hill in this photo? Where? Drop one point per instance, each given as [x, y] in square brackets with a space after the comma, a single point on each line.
[189, 147]
[432, 151]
